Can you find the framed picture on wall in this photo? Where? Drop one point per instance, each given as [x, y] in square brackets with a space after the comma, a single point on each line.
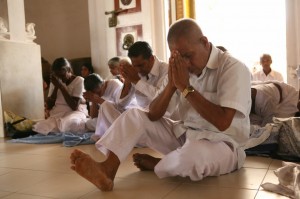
[129, 5]
[126, 36]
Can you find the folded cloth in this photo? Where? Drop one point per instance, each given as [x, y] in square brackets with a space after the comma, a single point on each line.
[262, 135]
[71, 139]
[68, 139]
[289, 181]
[289, 137]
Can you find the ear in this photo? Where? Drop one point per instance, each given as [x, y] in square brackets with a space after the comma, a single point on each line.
[204, 41]
[151, 60]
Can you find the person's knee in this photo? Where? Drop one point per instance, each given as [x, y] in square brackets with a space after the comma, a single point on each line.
[136, 113]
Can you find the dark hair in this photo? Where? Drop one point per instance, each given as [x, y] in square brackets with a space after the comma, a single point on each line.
[89, 67]
[114, 61]
[92, 81]
[60, 63]
[140, 48]
[222, 48]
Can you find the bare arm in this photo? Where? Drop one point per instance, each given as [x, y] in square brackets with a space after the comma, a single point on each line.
[94, 109]
[92, 97]
[51, 100]
[220, 117]
[73, 102]
[126, 89]
[160, 104]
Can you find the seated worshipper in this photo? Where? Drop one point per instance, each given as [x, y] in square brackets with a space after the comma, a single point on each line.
[214, 104]
[102, 94]
[65, 101]
[142, 81]
[272, 99]
[114, 68]
[267, 73]
[144, 77]
[86, 69]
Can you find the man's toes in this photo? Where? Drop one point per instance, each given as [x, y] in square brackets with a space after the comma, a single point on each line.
[75, 155]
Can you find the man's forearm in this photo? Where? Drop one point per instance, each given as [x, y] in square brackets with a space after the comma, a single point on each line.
[220, 117]
[125, 90]
[160, 104]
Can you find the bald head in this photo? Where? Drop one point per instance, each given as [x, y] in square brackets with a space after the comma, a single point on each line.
[187, 28]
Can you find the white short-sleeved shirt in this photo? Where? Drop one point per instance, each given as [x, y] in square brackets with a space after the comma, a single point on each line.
[146, 89]
[261, 76]
[75, 89]
[113, 92]
[225, 81]
[267, 102]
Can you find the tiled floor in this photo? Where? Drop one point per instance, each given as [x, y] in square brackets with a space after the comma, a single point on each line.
[42, 171]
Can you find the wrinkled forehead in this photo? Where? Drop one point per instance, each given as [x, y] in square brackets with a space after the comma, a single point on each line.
[180, 44]
[265, 58]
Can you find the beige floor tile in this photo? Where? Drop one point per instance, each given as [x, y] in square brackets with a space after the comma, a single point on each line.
[257, 162]
[269, 195]
[5, 171]
[51, 164]
[21, 179]
[19, 160]
[23, 196]
[131, 189]
[271, 177]
[275, 164]
[42, 171]
[25, 148]
[127, 168]
[4, 193]
[245, 178]
[62, 186]
[201, 192]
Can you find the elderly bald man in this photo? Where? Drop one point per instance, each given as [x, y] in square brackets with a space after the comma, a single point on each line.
[212, 93]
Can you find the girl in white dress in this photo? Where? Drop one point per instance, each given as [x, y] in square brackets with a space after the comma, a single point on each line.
[65, 101]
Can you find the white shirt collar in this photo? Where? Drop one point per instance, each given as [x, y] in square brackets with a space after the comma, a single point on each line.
[213, 62]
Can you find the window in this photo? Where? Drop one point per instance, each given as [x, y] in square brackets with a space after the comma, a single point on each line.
[247, 29]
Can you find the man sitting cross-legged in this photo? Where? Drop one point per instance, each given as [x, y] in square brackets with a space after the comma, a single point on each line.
[212, 90]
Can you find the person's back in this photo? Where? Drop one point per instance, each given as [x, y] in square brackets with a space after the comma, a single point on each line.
[272, 99]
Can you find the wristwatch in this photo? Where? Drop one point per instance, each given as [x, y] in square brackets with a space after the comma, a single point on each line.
[187, 90]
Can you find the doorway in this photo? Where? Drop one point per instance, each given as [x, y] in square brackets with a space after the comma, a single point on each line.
[246, 29]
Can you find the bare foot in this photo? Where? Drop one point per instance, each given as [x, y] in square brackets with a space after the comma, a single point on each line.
[95, 172]
[145, 162]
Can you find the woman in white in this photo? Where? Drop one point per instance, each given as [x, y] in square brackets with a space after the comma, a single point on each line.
[65, 101]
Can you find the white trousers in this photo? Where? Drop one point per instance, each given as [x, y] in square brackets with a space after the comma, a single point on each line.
[69, 122]
[193, 158]
[108, 113]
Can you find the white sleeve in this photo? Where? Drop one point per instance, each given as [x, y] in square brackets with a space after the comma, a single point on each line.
[234, 90]
[78, 89]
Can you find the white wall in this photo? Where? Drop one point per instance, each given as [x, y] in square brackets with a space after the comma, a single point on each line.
[62, 27]
[21, 79]
[103, 38]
